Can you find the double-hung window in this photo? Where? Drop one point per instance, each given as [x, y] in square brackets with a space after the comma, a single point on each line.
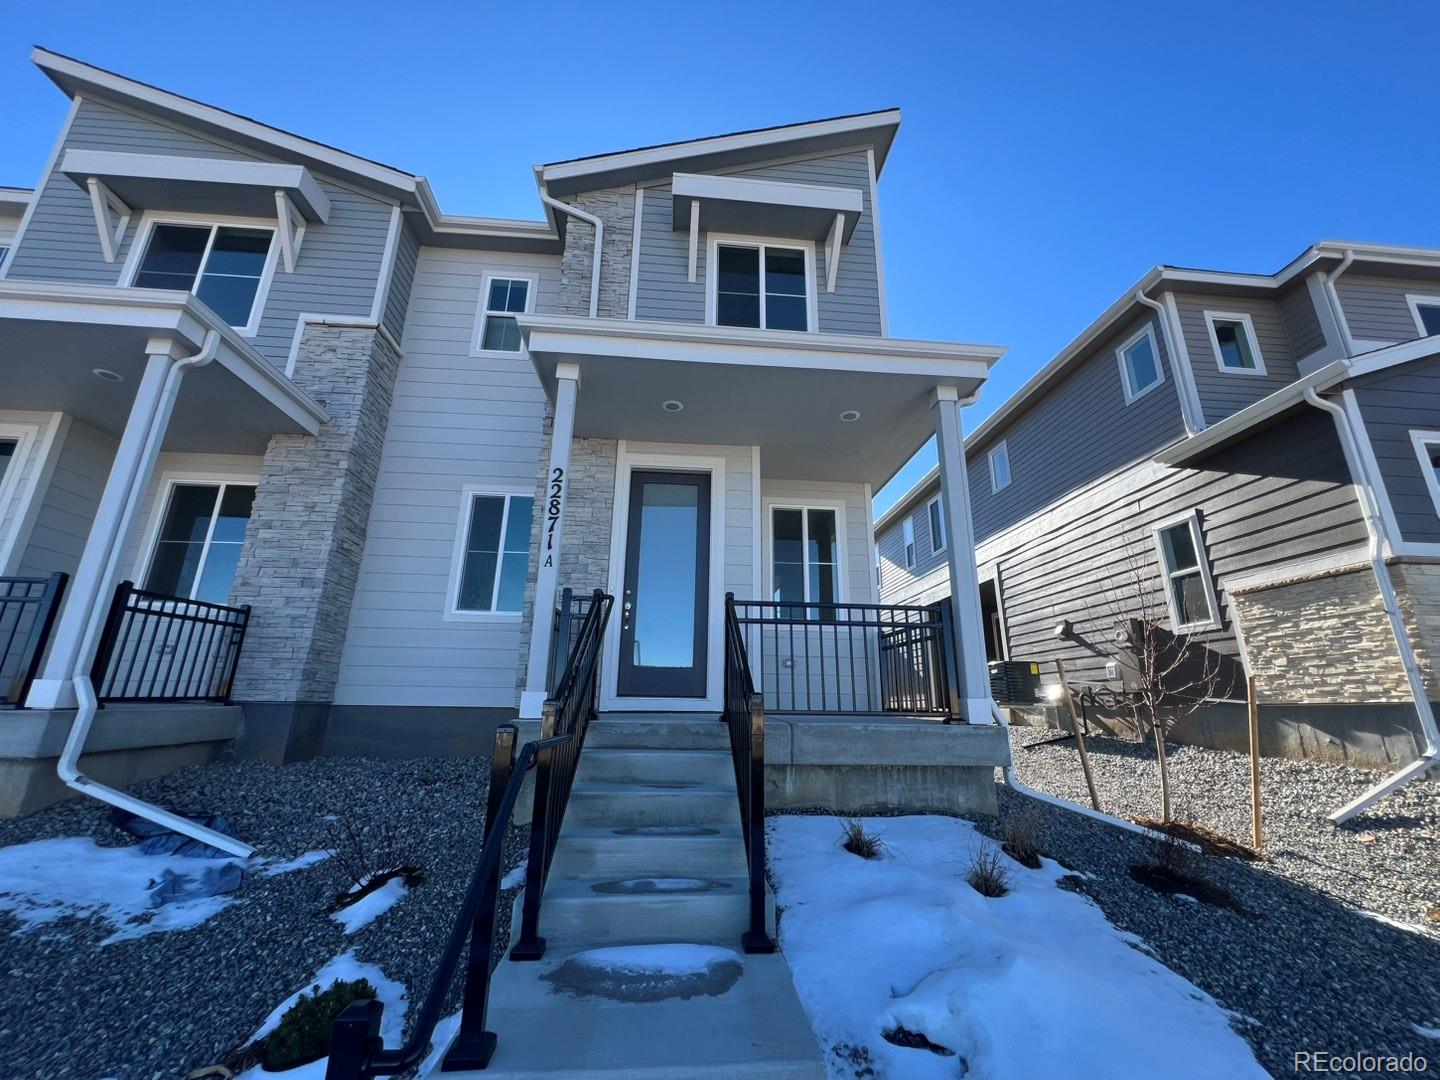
[907, 533]
[1188, 591]
[1237, 349]
[500, 301]
[1426, 311]
[224, 265]
[805, 566]
[767, 286]
[935, 510]
[1139, 359]
[495, 557]
[198, 544]
[999, 467]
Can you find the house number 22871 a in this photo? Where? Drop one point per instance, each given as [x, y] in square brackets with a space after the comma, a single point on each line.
[552, 512]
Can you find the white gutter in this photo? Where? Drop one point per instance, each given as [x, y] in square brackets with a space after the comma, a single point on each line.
[1364, 484]
[1189, 393]
[1333, 295]
[137, 468]
[599, 225]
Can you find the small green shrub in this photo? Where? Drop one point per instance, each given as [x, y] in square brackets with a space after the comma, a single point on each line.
[303, 1034]
[988, 875]
[857, 841]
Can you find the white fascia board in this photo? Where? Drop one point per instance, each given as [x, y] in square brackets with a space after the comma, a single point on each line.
[774, 192]
[656, 155]
[16, 200]
[295, 180]
[907, 502]
[1391, 355]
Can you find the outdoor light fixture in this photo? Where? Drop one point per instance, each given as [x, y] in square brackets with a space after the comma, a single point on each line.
[672, 406]
[1064, 629]
[107, 374]
[849, 416]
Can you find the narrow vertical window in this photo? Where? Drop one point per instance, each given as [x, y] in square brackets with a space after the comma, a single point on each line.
[495, 562]
[1187, 581]
[1000, 467]
[936, 511]
[7, 454]
[908, 531]
[1427, 450]
[804, 558]
[504, 298]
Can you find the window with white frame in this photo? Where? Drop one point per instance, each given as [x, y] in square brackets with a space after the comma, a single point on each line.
[1188, 591]
[805, 556]
[224, 265]
[935, 510]
[7, 454]
[500, 301]
[1237, 349]
[763, 285]
[1427, 449]
[495, 559]
[907, 530]
[1000, 467]
[1426, 312]
[1139, 359]
[4, 250]
[197, 546]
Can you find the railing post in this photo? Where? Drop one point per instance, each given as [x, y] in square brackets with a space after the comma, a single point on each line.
[757, 938]
[950, 663]
[47, 608]
[232, 660]
[354, 1038]
[119, 603]
[474, 1046]
[560, 641]
[531, 945]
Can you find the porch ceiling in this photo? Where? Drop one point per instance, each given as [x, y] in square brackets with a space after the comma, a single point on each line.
[782, 392]
[53, 337]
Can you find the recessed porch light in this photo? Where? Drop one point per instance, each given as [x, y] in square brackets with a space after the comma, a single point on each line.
[672, 406]
[107, 374]
[849, 416]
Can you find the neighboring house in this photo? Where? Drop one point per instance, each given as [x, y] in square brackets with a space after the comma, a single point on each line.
[1218, 441]
[275, 386]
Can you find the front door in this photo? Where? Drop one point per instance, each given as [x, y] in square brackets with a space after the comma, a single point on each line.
[665, 609]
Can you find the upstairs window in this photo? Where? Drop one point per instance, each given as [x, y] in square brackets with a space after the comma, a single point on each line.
[1236, 347]
[1000, 467]
[1427, 449]
[908, 532]
[224, 265]
[1188, 591]
[7, 454]
[500, 301]
[495, 561]
[1426, 310]
[766, 286]
[198, 546]
[1139, 359]
[4, 250]
[935, 509]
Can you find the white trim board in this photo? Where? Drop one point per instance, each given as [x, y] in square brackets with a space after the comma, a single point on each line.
[1415, 301]
[26, 479]
[45, 177]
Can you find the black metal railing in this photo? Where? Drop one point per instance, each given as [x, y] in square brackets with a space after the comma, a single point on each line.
[28, 606]
[565, 720]
[852, 658]
[167, 648]
[570, 615]
[357, 1052]
[744, 718]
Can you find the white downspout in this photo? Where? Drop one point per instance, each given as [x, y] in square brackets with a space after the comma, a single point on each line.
[1365, 485]
[1347, 341]
[1189, 392]
[599, 226]
[68, 766]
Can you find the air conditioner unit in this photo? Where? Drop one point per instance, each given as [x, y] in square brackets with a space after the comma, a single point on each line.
[1015, 682]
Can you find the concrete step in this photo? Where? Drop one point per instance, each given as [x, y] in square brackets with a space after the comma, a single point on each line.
[614, 910]
[657, 731]
[639, 850]
[676, 802]
[554, 1025]
[654, 766]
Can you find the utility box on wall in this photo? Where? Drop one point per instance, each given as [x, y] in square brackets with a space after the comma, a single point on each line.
[1015, 682]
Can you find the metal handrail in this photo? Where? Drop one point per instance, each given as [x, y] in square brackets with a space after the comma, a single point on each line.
[564, 723]
[28, 606]
[744, 719]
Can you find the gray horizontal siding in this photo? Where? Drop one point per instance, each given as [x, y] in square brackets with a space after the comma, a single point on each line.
[1226, 392]
[68, 502]
[1277, 498]
[402, 279]
[663, 290]
[899, 583]
[1375, 307]
[339, 262]
[1394, 403]
[1077, 431]
[1302, 323]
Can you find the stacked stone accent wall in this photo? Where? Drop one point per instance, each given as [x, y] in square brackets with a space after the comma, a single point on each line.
[616, 208]
[585, 531]
[1418, 587]
[1322, 640]
[307, 531]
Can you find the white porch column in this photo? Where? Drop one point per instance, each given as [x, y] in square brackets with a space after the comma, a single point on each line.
[547, 575]
[95, 575]
[964, 578]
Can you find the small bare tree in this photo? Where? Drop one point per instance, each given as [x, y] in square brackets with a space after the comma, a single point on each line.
[1169, 674]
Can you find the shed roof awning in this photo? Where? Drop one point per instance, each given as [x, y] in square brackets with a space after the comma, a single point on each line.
[764, 207]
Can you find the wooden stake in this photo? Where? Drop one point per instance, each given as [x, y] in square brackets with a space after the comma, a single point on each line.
[1254, 709]
[1079, 734]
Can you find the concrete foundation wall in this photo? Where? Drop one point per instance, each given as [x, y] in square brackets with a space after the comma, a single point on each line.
[882, 789]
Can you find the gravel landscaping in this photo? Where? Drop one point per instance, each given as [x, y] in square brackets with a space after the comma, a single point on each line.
[1300, 964]
[163, 1004]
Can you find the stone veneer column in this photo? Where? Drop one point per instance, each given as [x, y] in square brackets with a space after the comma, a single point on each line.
[307, 531]
[616, 208]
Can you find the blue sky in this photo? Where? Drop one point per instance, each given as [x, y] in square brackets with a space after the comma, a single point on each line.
[1050, 152]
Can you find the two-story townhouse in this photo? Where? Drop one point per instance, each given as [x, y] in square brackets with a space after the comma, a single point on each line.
[366, 462]
[1254, 455]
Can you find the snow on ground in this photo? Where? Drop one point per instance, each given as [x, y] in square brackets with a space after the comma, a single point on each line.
[72, 875]
[514, 879]
[300, 862]
[371, 906]
[344, 967]
[1013, 985]
[673, 960]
